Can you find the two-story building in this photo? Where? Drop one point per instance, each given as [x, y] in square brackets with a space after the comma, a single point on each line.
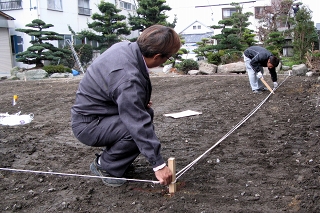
[60, 13]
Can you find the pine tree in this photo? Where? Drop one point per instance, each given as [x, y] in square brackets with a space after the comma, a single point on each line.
[235, 34]
[305, 34]
[41, 50]
[109, 25]
[150, 12]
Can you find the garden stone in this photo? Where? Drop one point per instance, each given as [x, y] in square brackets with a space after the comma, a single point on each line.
[32, 74]
[299, 70]
[238, 67]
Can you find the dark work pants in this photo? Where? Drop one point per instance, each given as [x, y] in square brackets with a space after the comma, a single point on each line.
[109, 132]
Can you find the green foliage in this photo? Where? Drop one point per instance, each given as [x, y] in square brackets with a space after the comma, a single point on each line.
[231, 57]
[275, 43]
[235, 36]
[204, 48]
[214, 58]
[290, 61]
[305, 34]
[85, 51]
[50, 69]
[150, 12]
[188, 64]
[107, 26]
[41, 50]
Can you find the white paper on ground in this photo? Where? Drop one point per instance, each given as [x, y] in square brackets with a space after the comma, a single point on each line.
[183, 114]
[15, 119]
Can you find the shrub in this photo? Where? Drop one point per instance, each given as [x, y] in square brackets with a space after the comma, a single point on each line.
[231, 57]
[214, 58]
[86, 52]
[50, 69]
[189, 64]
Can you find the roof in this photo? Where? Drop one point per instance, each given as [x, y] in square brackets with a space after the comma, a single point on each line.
[209, 29]
[6, 16]
[193, 38]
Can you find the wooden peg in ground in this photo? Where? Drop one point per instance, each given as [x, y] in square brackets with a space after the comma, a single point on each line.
[172, 167]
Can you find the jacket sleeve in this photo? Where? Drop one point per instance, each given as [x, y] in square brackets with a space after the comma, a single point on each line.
[255, 63]
[132, 97]
[273, 74]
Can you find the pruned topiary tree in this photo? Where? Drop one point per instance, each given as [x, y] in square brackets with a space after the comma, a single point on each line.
[41, 49]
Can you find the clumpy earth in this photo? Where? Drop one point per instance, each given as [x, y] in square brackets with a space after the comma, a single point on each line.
[270, 163]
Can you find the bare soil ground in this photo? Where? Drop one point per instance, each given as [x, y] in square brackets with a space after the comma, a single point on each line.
[270, 163]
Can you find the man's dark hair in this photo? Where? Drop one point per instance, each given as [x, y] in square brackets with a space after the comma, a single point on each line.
[274, 61]
[158, 39]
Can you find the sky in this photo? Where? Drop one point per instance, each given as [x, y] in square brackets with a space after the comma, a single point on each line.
[187, 12]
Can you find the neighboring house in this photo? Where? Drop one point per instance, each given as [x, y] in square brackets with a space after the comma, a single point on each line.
[60, 13]
[192, 34]
[225, 10]
[6, 22]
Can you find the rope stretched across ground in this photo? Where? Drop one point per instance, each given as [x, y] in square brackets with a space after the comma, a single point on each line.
[178, 174]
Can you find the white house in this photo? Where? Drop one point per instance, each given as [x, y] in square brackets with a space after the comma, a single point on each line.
[60, 13]
[192, 34]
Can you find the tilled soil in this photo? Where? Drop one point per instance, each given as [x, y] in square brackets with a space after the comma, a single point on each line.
[270, 163]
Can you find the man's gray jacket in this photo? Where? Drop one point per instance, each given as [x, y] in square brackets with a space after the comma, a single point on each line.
[118, 83]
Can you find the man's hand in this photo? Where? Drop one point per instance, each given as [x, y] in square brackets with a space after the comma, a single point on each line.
[164, 176]
[150, 104]
[275, 85]
[259, 75]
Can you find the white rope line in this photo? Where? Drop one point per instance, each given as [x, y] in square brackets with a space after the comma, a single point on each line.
[76, 175]
[182, 171]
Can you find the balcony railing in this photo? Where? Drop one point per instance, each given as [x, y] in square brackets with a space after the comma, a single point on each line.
[84, 11]
[10, 5]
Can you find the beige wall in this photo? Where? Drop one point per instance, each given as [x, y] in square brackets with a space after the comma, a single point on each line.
[5, 53]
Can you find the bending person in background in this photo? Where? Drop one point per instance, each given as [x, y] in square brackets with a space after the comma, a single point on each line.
[255, 58]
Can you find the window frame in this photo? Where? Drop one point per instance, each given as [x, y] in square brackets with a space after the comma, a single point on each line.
[10, 5]
[127, 5]
[84, 7]
[55, 5]
[231, 10]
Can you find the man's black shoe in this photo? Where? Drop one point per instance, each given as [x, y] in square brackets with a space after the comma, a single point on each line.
[263, 89]
[106, 178]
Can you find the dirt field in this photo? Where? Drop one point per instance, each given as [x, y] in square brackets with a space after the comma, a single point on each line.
[270, 163]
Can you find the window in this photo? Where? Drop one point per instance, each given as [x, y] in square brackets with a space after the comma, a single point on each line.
[227, 12]
[84, 7]
[55, 5]
[94, 44]
[17, 44]
[194, 27]
[63, 43]
[127, 6]
[199, 27]
[259, 12]
[10, 5]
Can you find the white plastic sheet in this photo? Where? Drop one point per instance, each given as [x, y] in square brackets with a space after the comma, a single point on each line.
[183, 114]
[15, 119]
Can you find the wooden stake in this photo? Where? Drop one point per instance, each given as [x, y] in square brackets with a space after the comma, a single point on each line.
[172, 167]
[267, 85]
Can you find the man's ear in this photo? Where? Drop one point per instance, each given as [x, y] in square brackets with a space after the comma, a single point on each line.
[157, 56]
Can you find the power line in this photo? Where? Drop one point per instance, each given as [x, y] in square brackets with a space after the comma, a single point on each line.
[213, 5]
